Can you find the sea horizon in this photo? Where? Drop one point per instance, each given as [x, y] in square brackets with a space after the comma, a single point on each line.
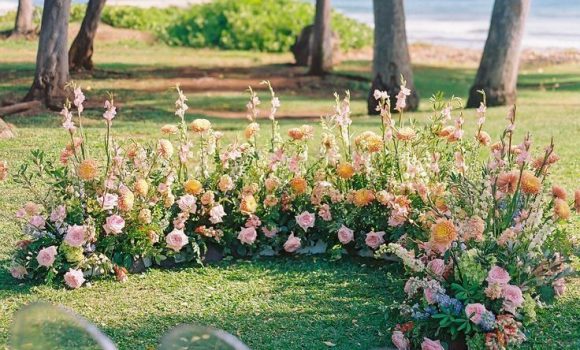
[459, 23]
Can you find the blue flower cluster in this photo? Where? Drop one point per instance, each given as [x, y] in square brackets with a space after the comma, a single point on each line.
[424, 314]
[448, 304]
[487, 322]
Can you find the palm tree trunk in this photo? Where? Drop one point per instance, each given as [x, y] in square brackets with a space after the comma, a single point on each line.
[321, 61]
[498, 70]
[391, 59]
[81, 50]
[51, 73]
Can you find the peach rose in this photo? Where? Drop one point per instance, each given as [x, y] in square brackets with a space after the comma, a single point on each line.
[345, 235]
[374, 239]
[248, 235]
[46, 256]
[74, 278]
[292, 244]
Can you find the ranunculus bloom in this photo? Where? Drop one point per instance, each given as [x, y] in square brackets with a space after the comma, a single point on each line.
[374, 239]
[292, 244]
[507, 182]
[436, 266]
[187, 203]
[559, 192]
[498, 275]
[46, 256]
[114, 224]
[305, 220]
[248, 235]
[75, 235]
[18, 271]
[474, 312]
[176, 239]
[38, 222]
[399, 340]
[429, 344]
[513, 294]
[74, 278]
[216, 214]
[530, 184]
[345, 235]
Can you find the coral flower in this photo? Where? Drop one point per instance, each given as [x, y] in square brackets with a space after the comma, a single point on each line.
[483, 138]
[296, 134]
[577, 201]
[443, 232]
[192, 186]
[251, 130]
[345, 170]
[561, 209]
[507, 182]
[363, 197]
[169, 129]
[559, 192]
[200, 125]
[141, 187]
[165, 149]
[248, 205]
[88, 169]
[446, 131]
[530, 184]
[406, 134]
[299, 185]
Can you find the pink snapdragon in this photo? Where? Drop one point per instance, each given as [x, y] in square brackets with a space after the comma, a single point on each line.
[110, 111]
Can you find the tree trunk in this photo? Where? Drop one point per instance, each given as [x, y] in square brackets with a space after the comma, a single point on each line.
[391, 58]
[81, 50]
[498, 70]
[51, 73]
[24, 15]
[321, 61]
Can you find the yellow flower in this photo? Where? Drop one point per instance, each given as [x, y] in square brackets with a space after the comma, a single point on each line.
[369, 141]
[299, 185]
[248, 205]
[88, 169]
[141, 187]
[530, 183]
[443, 232]
[200, 125]
[345, 170]
[192, 186]
[363, 197]
[406, 134]
[251, 130]
[561, 209]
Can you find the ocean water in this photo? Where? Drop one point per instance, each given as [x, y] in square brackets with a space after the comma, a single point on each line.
[464, 23]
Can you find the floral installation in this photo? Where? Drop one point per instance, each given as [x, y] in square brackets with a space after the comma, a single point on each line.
[483, 243]
[493, 247]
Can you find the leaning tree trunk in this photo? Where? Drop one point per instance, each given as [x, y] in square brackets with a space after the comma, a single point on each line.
[321, 61]
[81, 51]
[24, 15]
[498, 70]
[51, 73]
[391, 58]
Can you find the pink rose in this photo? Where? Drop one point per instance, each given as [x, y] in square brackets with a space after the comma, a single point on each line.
[305, 220]
[270, 233]
[474, 312]
[114, 224]
[437, 266]
[253, 221]
[399, 340]
[216, 214]
[375, 239]
[429, 295]
[513, 295]
[345, 235]
[109, 201]
[559, 287]
[58, 214]
[292, 244]
[74, 278]
[429, 344]
[46, 256]
[248, 235]
[498, 275]
[324, 212]
[18, 271]
[187, 203]
[176, 239]
[38, 222]
[75, 235]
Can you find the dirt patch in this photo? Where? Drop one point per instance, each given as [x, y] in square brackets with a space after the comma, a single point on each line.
[108, 34]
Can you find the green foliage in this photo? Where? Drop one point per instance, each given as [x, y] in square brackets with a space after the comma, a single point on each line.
[150, 19]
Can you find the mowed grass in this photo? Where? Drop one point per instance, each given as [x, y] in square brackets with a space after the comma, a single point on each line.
[286, 303]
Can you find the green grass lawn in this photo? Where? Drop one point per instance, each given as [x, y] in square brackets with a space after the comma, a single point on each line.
[286, 303]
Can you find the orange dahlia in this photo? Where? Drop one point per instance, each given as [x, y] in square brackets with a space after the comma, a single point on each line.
[363, 197]
[345, 170]
[530, 184]
[443, 232]
[192, 186]
[248, 205]
[299, 185]
[88, 169]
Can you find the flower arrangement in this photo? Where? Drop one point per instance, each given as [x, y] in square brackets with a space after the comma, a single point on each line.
[482, 242]
[490, 254]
